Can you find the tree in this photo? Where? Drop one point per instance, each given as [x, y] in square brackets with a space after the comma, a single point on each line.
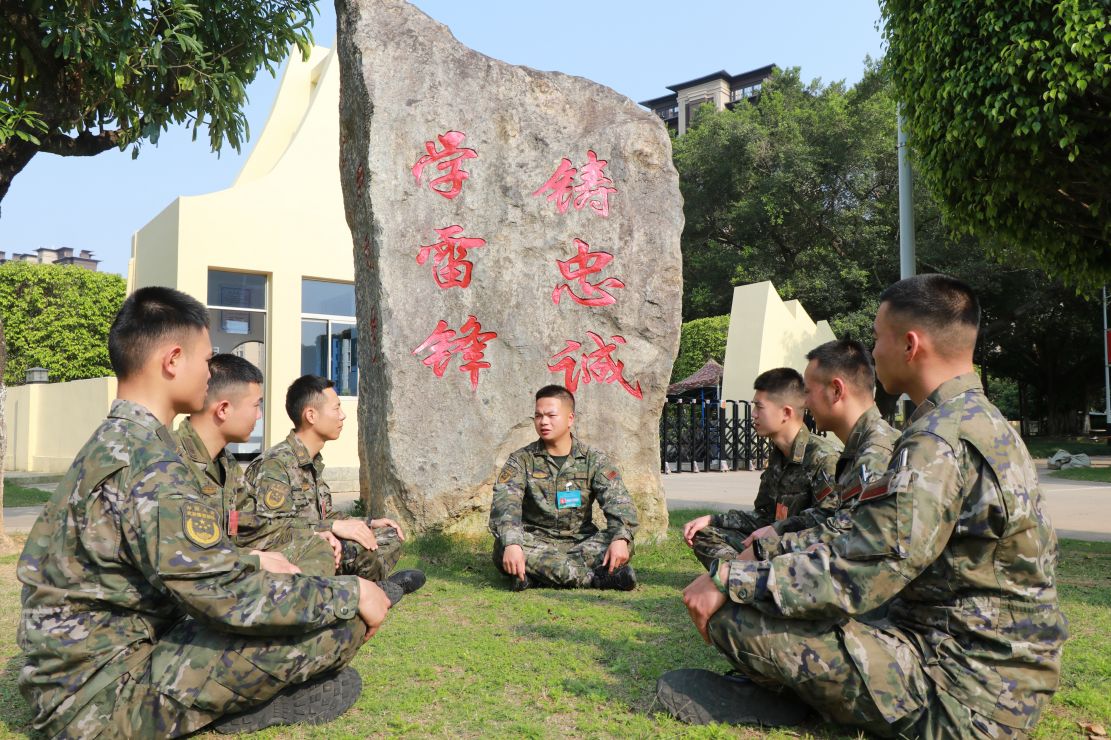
[77, 79]
[1008, 109]
[58, 317]
[700, 340]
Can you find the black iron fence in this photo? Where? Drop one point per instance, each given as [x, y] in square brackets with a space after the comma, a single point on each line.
[709, 435]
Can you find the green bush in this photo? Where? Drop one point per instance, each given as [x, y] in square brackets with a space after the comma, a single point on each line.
[700, 340]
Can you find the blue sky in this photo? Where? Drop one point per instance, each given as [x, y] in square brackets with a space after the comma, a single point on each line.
[637, 47]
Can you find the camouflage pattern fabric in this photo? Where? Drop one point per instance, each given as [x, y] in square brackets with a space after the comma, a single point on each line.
[301, 547]
[561, 544]
[129, 550]
[373, 565]
[956, 536]
[865, 457]
[788, 488]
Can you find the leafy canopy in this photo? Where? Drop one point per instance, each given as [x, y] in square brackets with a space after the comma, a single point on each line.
[78, 78]
[57, 317]
[1008, 104]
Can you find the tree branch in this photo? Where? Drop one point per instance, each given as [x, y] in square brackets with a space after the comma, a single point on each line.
[84, 144]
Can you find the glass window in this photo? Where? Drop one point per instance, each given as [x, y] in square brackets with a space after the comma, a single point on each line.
[236, 290]
[237, 325]
[329, 336]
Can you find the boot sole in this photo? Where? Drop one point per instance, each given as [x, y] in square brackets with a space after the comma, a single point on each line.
[315, 702]
[700, 697]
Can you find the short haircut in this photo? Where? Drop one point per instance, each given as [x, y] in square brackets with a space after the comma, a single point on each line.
[557, 391]
[945, 307]
[305, 391]
[147, 317]
[229, 374]
[783, 384]
[847, 359]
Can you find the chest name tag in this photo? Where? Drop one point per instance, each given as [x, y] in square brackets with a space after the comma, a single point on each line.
[569, 499]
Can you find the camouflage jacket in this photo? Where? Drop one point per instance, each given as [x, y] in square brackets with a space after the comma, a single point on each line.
[789, 485]
[525, 496]
[956, 535]
[224, 472]
[130, 543]
[865, 457]
[285, 489]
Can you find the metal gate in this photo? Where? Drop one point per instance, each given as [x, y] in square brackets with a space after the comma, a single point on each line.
[709, 435]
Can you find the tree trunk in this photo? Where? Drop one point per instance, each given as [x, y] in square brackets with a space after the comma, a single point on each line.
[6, 543]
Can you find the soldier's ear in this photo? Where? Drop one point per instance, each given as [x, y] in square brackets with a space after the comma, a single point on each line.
[838, 386]
[914, 344]
[171, 356]
[222, 409]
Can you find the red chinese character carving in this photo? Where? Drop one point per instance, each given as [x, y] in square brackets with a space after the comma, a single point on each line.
[449, 157]
[577, 268]
[598, 366]
[561, 184]
[451, 269]
[470, 342]
[593, 187]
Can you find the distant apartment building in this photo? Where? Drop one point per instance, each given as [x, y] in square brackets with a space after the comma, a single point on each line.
[720, 88]
[57, 256]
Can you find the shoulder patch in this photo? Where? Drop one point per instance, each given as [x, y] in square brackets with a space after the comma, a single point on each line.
[506, 474]
[274, 497]
[201, 524]
[611, 473]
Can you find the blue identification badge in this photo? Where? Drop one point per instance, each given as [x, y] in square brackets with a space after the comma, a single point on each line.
[569, 499]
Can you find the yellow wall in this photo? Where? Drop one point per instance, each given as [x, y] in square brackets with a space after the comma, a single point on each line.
[282, 218]
[49, 422]
[766, 332]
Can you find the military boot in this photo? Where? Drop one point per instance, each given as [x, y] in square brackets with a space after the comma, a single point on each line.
[409, 580]
[622, 579]
[700, 697]
[522, 584]
[318, 700]
[394, 591]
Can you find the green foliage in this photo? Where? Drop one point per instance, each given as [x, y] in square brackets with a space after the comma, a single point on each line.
[700, 340]
[57, 317]
[80, 78]
[1102, 475]
[1007, 108]
[17, 495]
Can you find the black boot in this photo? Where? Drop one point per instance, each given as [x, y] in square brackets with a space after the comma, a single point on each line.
[622, 579]
[522, 584]
[700, 697]
[409, 580]
[318, 700]
[394, 592]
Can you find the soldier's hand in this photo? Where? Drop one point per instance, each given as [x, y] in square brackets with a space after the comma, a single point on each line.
[693, 527]
[747, 554]
[617, 554]
[356, 530]
[373, 606]
[759, 534]
[275, 562]
[337, 548]
[513, 561]
[384, 522]
[703, 599]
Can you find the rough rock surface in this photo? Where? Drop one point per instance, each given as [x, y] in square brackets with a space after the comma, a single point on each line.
[544, 206]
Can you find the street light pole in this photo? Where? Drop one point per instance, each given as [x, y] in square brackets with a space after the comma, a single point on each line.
[1106, 364]
[906, 205]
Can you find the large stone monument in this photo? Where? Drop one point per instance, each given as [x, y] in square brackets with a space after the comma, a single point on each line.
[512, 228]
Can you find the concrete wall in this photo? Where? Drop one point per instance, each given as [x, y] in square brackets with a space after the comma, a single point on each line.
[49, 422]
[766, 332]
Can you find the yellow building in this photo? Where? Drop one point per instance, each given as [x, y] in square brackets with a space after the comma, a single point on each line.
[271, 256]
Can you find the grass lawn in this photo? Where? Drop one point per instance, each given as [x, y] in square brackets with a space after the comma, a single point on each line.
[1046, 446]
[464, 657]
[19, 495]
[1097, 474]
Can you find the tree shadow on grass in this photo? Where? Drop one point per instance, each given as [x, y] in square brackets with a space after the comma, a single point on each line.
[15, 715]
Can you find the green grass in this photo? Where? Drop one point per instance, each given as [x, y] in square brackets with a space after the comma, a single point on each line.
[19, 495]
[1094, 474]
[1046, 446]
[464, 657]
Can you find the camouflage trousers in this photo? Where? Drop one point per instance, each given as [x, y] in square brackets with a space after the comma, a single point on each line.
[195, 675]
[373, 565]
[563, 562]
[856, 674]
[714, 543]
[312, 554]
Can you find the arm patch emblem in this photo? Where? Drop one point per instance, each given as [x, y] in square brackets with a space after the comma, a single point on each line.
[506, 474]
[201, 524]
[274, 498]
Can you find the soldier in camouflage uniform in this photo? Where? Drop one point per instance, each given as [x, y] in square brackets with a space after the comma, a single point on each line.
[286, 491]
[840, 389]
[955, 534]
[140, 618]
[800, 466]
[233, 405]
[541, 515]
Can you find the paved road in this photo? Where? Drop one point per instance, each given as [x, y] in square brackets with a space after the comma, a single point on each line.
[1079, 509]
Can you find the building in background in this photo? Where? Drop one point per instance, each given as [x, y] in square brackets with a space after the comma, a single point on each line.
[55, 256]
[720, 88]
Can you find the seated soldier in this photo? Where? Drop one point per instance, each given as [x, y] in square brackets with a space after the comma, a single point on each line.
[140, 617]
[286, 491]
[800, 466]
[232, 406]
[955, 535]
[542, 511]
[840, 395]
